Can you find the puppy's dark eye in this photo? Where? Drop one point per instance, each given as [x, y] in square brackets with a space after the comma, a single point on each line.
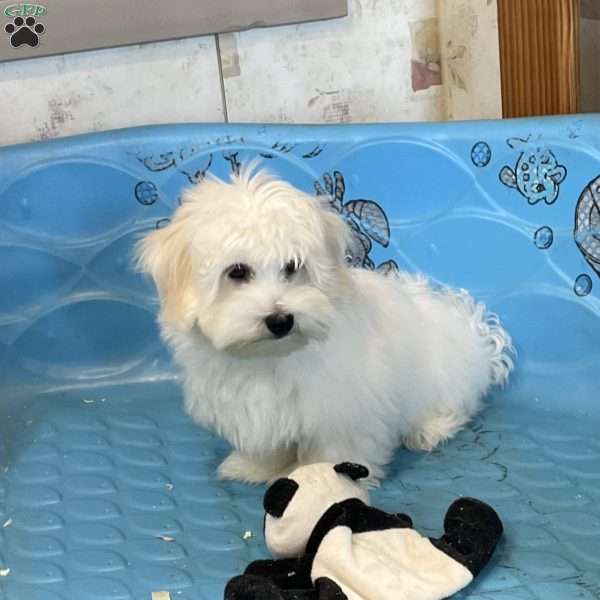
[239, 273]
[290, 268]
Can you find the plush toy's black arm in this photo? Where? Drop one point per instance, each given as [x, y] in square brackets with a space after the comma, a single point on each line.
[286, 573]
[356, 515]
[329, 590]
[285, 579]
[472, 530]
[251, 587]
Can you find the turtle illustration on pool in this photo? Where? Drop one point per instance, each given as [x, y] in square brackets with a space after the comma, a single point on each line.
[367, 220]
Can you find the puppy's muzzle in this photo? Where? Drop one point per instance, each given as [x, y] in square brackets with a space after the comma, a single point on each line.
[279, 324]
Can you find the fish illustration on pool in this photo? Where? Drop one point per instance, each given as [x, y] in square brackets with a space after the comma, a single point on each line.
[537, 174]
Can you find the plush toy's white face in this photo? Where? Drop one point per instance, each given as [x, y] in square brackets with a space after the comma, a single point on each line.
[255, 264]
[295, 504]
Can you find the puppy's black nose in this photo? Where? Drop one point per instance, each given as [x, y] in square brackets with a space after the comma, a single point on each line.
[279, 325]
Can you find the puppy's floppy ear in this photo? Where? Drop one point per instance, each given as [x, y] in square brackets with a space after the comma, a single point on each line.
[278, 496]
[165, 254]
[352, 470]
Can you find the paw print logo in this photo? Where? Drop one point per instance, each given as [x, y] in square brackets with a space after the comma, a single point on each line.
[24, 32]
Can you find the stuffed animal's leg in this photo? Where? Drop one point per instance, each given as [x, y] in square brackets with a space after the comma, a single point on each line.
[472, 530]
[249, 587]
[286, 574]
[328, 589]
[287, 579]
[254, 587]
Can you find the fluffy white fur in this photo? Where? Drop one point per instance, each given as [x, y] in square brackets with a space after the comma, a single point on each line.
[372, 362]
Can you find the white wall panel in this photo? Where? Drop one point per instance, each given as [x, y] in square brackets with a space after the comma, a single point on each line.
[357, 68]
[167, 82]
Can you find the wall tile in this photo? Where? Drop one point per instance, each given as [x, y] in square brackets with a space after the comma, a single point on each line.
[357, 68]
[166, 82]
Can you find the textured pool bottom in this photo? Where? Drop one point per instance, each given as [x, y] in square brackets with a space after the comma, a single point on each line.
[110, 494]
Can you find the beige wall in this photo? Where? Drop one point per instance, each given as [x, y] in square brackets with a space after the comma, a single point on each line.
[105, 89]
[384, 62]
[360, 68]
[470, 59]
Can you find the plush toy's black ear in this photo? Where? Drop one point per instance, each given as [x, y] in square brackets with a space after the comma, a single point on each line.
[327, 589]
[278, 497]
[352, 470]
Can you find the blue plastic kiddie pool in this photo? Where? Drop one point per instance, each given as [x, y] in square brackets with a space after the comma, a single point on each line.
[108, 491]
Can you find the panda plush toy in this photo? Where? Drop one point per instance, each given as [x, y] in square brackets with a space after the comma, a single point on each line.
[329, 544]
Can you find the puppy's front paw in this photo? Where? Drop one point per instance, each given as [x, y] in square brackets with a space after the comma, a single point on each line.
[240, 467]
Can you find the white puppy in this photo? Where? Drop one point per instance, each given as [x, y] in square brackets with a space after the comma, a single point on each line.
[293, 356]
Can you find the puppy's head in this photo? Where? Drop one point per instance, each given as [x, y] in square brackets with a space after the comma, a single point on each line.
[250, 263]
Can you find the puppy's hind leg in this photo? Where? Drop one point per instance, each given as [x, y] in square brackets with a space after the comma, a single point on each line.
[434, 430]
[239, 466]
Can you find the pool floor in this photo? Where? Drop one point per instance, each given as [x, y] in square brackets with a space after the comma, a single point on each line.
[110, 494]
